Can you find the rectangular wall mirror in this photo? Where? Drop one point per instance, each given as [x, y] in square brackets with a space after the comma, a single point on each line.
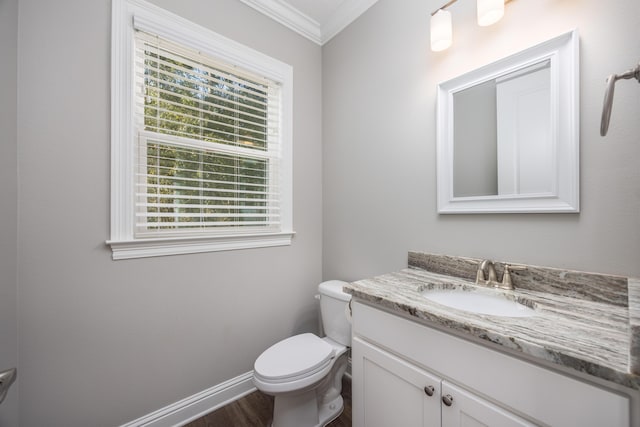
[508, 133]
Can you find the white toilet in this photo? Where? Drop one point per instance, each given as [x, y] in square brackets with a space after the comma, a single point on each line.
[304, 372]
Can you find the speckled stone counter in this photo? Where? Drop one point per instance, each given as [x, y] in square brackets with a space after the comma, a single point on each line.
[587, 322]
[634, 325]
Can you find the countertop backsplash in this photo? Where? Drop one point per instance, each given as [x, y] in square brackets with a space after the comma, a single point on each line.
[577, 284]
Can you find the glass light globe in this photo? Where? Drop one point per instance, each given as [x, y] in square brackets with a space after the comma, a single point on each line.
[490, 11]
[441, 30]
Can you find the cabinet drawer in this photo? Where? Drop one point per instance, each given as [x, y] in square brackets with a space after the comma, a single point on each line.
[546, 396]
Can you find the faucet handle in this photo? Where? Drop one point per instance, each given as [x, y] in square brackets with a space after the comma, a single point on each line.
[507, 283]
[515, 267]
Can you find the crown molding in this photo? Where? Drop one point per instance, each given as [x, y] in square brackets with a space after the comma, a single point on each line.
[287, 15]
[290, 17]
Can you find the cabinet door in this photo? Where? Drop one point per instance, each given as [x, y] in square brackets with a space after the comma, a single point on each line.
[388, 391]
[468, 410]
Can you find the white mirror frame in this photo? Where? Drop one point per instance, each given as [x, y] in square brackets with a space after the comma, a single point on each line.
[562, 52]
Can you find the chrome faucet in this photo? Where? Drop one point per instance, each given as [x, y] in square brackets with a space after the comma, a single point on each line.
[486, 275]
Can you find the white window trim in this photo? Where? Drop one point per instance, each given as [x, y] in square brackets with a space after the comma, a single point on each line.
[123, 133]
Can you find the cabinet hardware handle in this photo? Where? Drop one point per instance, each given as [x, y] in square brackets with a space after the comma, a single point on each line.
[429, 390]
[447, 399]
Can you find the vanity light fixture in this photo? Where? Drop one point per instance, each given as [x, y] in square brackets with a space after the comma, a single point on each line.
[441, 30]
[489, 12]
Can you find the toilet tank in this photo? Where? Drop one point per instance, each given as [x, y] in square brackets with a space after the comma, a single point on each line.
[334, 309]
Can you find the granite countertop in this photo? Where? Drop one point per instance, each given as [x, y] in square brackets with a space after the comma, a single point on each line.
[594, 337]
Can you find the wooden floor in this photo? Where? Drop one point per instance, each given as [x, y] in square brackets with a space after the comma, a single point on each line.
[255, 410]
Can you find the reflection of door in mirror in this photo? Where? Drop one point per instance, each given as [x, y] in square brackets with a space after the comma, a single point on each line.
[524, 142]
[502, 135]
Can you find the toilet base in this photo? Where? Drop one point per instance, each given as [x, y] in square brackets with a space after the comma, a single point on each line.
[330, 411]
[314, 405]
[293, 412]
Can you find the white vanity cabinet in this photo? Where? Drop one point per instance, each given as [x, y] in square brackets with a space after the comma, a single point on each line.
[406, 374]
[397, 393]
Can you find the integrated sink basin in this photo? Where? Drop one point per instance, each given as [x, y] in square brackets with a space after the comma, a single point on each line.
[477, 300]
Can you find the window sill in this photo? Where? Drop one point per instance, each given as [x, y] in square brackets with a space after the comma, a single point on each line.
[145, 248]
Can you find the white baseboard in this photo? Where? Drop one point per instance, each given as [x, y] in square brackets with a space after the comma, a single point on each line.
[193, 407]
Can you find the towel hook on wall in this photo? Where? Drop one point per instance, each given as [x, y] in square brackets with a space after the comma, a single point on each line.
[6, 379]
[634, 73]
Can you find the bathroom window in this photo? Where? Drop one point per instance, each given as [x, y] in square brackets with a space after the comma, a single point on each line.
[201, 139]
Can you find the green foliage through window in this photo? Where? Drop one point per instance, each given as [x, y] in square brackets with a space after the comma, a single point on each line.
[208, 145]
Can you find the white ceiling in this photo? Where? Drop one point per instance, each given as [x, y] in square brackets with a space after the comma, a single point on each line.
[318, 10]
[318, 20]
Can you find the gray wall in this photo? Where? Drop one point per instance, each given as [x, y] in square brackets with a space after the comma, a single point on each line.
[379, 129]
[8, 203]
[102, 342]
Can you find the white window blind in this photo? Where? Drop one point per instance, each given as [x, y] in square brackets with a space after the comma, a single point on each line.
[208, 145]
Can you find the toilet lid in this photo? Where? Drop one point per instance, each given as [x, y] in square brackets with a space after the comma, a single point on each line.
[293, 357]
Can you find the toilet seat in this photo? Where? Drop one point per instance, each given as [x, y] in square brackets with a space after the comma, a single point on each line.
[294, 358]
